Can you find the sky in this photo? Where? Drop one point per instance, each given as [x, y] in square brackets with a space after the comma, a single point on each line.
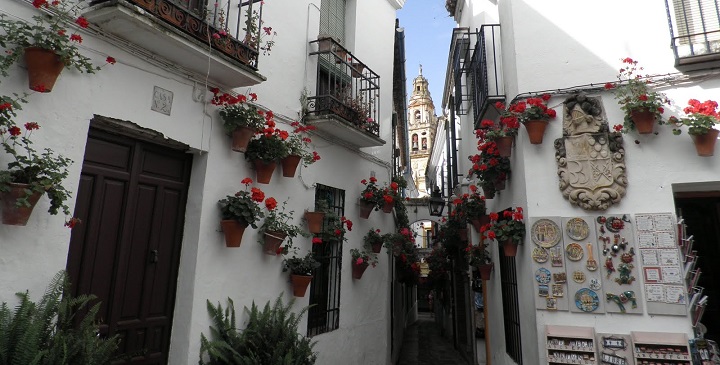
[428, 28]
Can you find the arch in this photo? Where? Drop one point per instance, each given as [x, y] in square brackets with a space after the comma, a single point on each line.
[424, 143]
[414, 141]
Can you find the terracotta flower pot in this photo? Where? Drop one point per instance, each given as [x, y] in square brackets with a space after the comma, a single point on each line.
[705, 143]
[233, 231]
[365, 209]
[504, 146]
[536, 130]
[358, 270]
[241, 136]
[264, 170]
[485, 270]
[314, 221]
[488, 190]
[290, 165]
[480, 221]
[510, 248]
[499, 184]
[273, 240]
[342, 56]
[376, 246]
[324, 44]
[644, 120]
[463, 233]
[15, 215]
[388, 207]
[358, 69]
[44, 66]
[300, 284]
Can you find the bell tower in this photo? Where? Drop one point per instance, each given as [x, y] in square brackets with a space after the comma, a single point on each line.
[422, 123]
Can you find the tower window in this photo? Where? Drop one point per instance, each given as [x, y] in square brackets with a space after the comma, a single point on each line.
[414, 142]
[424, 143]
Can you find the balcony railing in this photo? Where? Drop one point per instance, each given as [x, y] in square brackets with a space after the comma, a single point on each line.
[347, 92]
[459, 59]
[486, 71]
[695, 31]
[184, 30]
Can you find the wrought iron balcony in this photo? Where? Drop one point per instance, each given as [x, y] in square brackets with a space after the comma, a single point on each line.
[695, 33]
[346, 102]
[486, 72]
[191, 33]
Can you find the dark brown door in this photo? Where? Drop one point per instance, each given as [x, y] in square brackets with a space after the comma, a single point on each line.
[131, 200]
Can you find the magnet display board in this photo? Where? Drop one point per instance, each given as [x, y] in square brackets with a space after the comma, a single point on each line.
[549, 278]
[583, 265]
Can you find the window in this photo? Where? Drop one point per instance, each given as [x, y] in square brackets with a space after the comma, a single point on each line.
[415, 141]
[417, 114]
[424, 143]
[332, 19]
[695, 28]
[511, 311]
[324, 313]
[332, 78]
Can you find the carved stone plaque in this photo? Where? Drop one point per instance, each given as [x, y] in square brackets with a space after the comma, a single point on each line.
[590, 158]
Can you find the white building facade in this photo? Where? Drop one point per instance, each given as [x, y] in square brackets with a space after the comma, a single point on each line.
[510, 50]
[144, 136]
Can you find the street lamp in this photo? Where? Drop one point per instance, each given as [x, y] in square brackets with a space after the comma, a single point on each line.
[436, 204]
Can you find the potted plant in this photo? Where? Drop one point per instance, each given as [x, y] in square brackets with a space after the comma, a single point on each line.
[277, 227]
[390, 194]
[373, 240]
[498, 136]
[700, 120]
[479, 258]
[335, 227]
[473, 206]
[360, 260]
[643, 106]
[240, 210]
[508, 231]
[46, 43]
[533, 113]
[298, 144]
[439, 266]
[491, 170]
[258, 342]
[241, 119]
[315, 219]
[301, 271]
[30, 175]
[370, 197]
[265, 150]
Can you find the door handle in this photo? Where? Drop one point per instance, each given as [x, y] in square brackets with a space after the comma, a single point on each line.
[153, 256]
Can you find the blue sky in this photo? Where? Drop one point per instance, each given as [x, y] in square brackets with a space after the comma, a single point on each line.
[427, 41]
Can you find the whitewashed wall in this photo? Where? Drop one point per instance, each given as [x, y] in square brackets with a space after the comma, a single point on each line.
[553, 45]
[30, 256]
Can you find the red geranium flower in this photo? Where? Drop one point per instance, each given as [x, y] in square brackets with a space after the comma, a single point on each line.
[31, 125]
[270, 203]
[246, 181]
[14, 130]
[76, 37]
[82, 22]
[257, 195]
[316, 240]
[110, 60]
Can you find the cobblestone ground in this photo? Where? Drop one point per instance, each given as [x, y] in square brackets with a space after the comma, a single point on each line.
[423, 345]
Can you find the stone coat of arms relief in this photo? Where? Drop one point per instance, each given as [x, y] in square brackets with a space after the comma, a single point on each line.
[590, 158]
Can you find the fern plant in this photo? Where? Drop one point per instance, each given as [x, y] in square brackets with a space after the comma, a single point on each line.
[50, 331]
[270, 337]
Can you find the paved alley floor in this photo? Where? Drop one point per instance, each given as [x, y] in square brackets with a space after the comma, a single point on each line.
[423, 345]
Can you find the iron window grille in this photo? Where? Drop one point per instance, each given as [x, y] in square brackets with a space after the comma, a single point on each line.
[694, 30]
[511, 308]
[324, 313]
[459, 60]
[485, 71]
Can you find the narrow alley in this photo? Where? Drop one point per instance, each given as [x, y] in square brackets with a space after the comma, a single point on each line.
[424, 345]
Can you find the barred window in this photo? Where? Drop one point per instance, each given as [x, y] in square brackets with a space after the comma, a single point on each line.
[511, 308]
[694, 26]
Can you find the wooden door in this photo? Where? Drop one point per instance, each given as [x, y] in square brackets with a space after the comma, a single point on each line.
[131, 200]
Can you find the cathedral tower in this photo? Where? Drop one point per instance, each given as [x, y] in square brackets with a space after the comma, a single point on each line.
[421, 130]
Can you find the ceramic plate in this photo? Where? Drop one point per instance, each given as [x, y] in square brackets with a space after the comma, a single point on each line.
[540, 255]
[587, 300]
[545, 233]
[542, 275]
[577, 229]
[574, 252]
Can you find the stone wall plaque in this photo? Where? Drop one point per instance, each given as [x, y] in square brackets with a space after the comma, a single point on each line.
[590, 158]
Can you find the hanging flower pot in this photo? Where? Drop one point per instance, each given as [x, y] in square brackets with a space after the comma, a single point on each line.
[241, 137]
[504, 146]
[366, 208]
[479, 222]
[376, 246]
[705, 143]
[44, 66]
[499, 184]
[358, 270]
[273, 240]
[463, 233]
[536, 130]
[644, 120]
[314, 221]
[485, 270]
[488, 190]
[264, 170]
[510, 248]
[300, 284]
[358, 69]
[388, 207]
[290, 165]
[233, 231]
[15, 215]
